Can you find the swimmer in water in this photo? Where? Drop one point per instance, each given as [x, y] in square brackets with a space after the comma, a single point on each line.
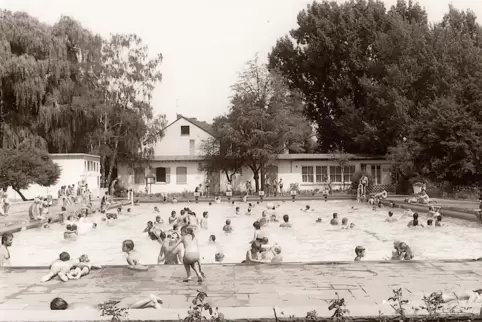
[171, 253]
[252, 254]
[360, 253]
[132, 256]
[228, 228]
[286, 223]
[71, 232]
[414, 222]
[258, 233]
[390, 217]
[219, 257]
[334, 220]
[248, 212]
[273, 218]
[82, 268]
[158, 221]
[277, 258]
[173, 217]
[307, 208]
[344, 223]
[405, 252]
[238, 211]
[191, 253]
[204, 220]
[318, 220]
[352, 225]
[438, 222]
[263, 221]
[212, 239]
[430, 223]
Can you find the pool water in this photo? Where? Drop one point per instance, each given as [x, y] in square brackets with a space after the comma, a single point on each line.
[306, 241]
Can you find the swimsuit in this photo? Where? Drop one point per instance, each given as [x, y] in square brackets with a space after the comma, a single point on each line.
[84, 265]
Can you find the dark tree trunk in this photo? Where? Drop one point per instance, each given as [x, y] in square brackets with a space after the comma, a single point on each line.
[20, 194]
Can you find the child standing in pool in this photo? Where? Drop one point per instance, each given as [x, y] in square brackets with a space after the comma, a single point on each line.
[191, 253]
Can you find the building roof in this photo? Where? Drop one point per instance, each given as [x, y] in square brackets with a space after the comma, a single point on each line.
[328, 156]
[206, 127]
[73, 156]
[301, 156]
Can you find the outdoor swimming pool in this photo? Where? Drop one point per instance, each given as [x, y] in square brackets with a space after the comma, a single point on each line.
[307, 241]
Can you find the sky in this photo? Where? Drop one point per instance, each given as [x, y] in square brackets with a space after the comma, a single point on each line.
[204, 43]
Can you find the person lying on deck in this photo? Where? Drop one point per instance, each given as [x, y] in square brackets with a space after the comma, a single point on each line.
[150, 302]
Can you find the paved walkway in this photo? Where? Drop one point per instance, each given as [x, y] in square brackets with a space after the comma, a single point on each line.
[364, 285]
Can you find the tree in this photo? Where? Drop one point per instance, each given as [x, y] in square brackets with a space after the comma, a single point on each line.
[128, 79]
[45, 69]
[219, 152]
[24, 166]
[360, 69]
[264, 120]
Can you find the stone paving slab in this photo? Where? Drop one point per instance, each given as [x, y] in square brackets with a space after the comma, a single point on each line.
[242, 286]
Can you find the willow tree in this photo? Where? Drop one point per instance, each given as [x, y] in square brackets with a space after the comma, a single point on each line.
[128, 78]
[45, 72]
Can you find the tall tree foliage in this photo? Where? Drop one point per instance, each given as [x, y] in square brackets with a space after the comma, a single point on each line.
[370, 77]
[264, 120]
[64, 89]
[128, 78]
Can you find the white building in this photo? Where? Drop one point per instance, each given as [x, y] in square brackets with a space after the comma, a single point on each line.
[177, 157]
[75, 168]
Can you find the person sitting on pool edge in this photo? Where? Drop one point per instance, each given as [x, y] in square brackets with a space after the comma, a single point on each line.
[132, 256]
[152, 301]
[82, 268]
[334, 220]
[360, 253]
[286, 223]
[228, 228]
[60, 267]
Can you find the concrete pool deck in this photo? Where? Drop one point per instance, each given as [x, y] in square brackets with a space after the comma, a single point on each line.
[240, 291]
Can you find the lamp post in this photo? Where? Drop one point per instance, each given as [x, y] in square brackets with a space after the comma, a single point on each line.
[150, 179]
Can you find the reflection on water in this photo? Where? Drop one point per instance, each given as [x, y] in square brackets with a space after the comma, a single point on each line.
[307, 241]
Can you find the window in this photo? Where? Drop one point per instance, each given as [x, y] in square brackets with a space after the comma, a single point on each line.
[377, 173]
[363, 167]
[348, 171]
[335, 174]
[321, 173]
[139, 176]
[181, 175]
[184, 129]
[307, 174]
[192, 147]
[163, 175]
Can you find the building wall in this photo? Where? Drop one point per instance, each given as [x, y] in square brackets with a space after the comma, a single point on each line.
[173, 143]
[74, 168]
[193, 177]
[291, 172]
